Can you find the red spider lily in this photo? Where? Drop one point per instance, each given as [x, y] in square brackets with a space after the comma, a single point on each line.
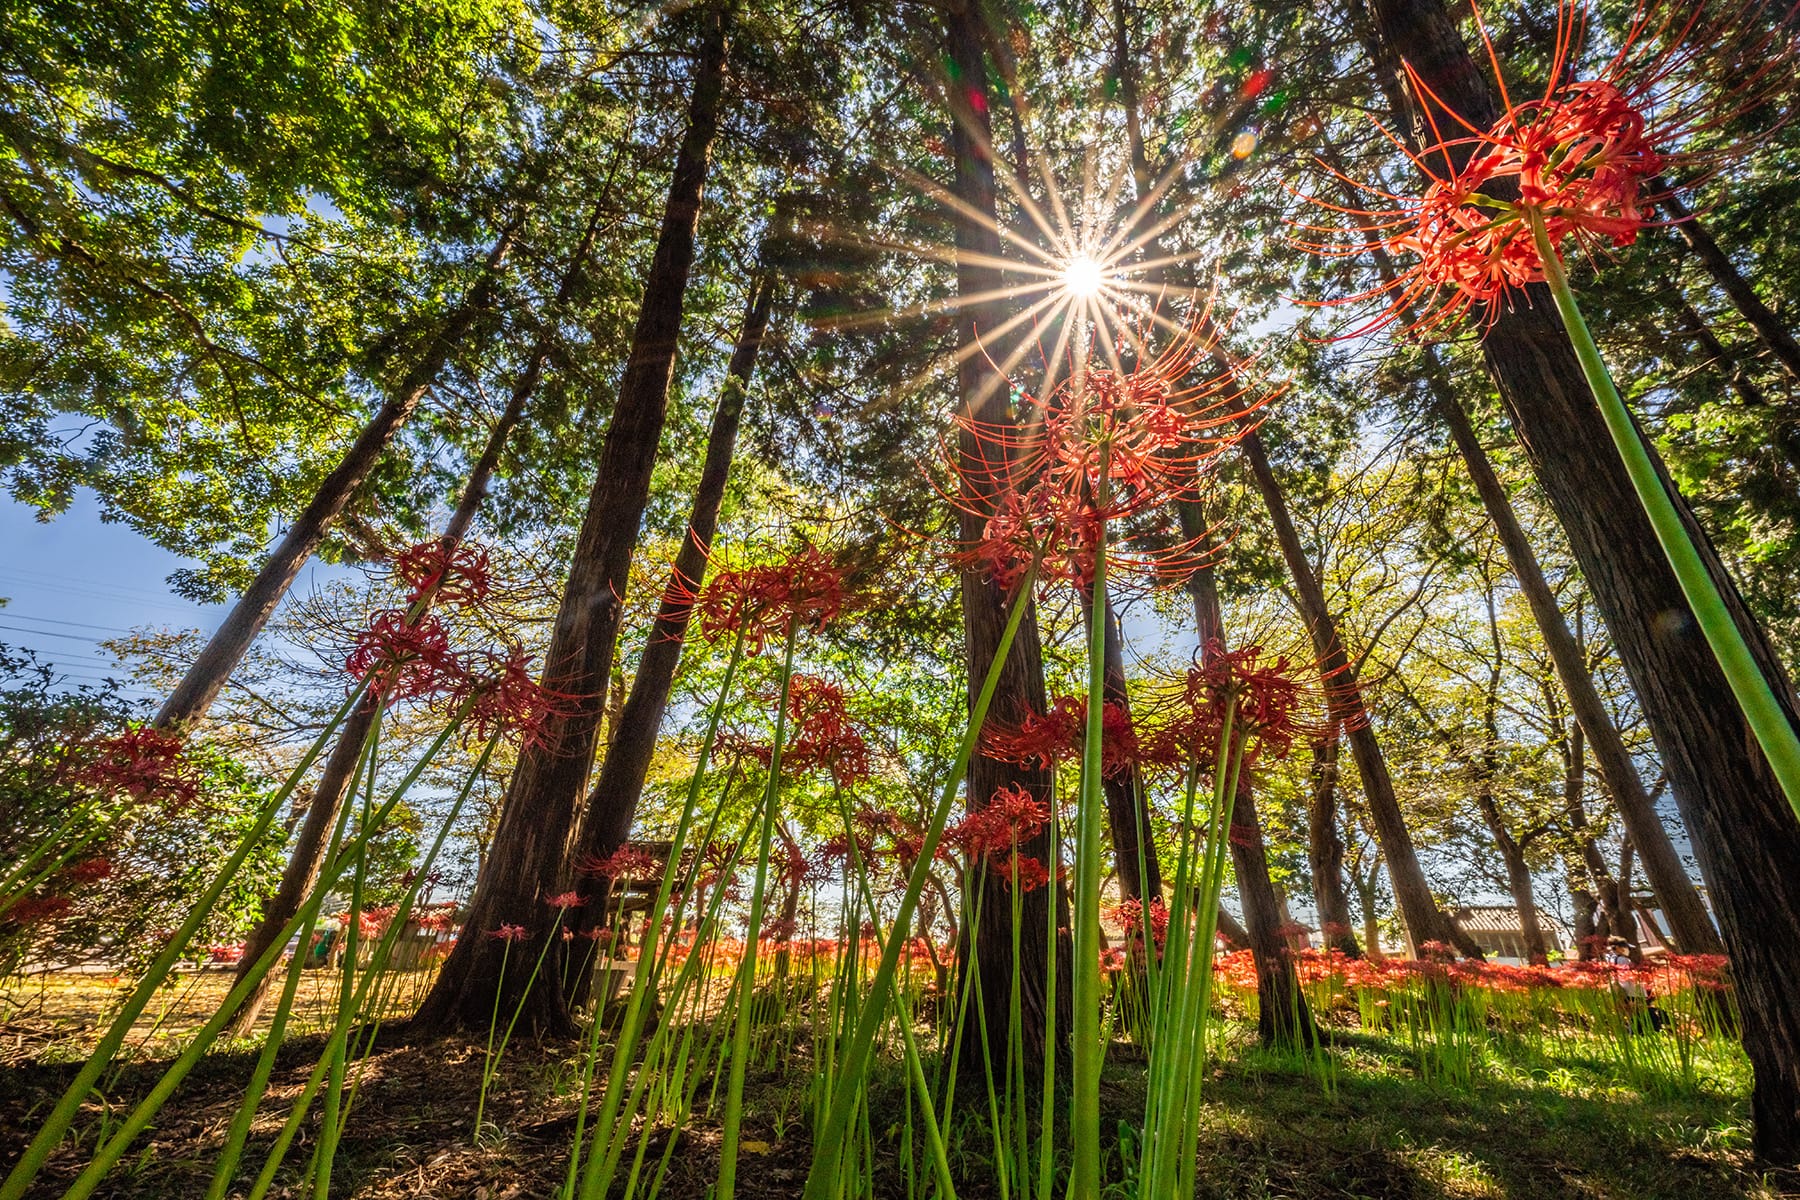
[1036, 483]
[627, 862]
[35, 910]
[1011, 817]
[405, 659]
[1044, 739]
[793, 866]
[456, 574]
[442, 920]
[564, 901]
[835, 851]
[370, 922]
[806, 590]
[822, 736]
[1130, 914]
[1268, 700]
[884, 837]
[1025, 873]
[505, 696]
[145, 764]
[510, 933]
[88, 870]
[1585, 156]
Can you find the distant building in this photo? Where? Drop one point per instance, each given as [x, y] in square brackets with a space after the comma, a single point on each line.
[1497, 930]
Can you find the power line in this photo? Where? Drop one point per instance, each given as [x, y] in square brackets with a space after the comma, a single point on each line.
[72, 586]
[19, 616]
[71, 637]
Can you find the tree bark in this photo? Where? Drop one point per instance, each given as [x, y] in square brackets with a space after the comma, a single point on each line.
[1693, 928]
[987, 928]
[308, 854]
[1127, 804]
[208, 674]
[1746, 837]
[526, 863]
[1325, 849]
[1282, 1013]
[613, 802]
[1424, 919]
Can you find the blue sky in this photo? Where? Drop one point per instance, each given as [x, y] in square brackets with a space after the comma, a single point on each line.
[74, 581]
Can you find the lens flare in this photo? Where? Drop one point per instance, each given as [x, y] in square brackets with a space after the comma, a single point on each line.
[1082, 276]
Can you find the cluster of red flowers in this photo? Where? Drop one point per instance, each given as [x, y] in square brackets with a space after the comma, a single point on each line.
[1044, 739]
[1024, 872]
[405, 654]
[822, 735]
[504, 695]
[1102, 445]
[1130, 914]
[370, 922]
[1581, 157]
[143, 763]
[821, 739]
[436, 573]
[626, 863]
[1182, 725]
[1264, 700]
[994, 832]
[1671, 973]
[405, 658]
[806, 590]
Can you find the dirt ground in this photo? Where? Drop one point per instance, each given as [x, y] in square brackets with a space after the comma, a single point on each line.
[1270, 1129]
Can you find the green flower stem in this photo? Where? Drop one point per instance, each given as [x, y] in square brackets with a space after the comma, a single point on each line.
[1084, 1122]
[649, 964]
[746, 986]
[240, 1127]
[822, 1176]
[141, 1116]
[50, 1135]
[326, 1152]
[1762, 710]
[1047, 1099]
[1200, 981]
[239, 1133]
[940, 1161]
[657, 1068]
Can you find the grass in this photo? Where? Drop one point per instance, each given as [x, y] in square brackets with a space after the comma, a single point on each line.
[1550, 1119]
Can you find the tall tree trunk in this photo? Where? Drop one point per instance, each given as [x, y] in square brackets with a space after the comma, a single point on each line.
[987, 929]
[613, 802]
[1512, 849]
[208, 674]
[1693, 928]
[1127, 803]
[1770, 330]
[526, 862]
[1424, 919]
[308, 854]
[1325, 848]
[1283, 1014]
[1368, 895]
[1745, 834]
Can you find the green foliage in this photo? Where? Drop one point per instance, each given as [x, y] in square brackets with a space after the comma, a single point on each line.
[124, 881]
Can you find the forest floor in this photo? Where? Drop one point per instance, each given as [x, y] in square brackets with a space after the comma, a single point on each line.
[1369, 1120]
